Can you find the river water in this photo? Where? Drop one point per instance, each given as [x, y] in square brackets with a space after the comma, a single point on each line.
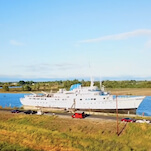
[12, 100]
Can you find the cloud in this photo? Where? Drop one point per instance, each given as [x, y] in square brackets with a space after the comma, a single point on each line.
[44, 67]
[46, 70]
[121, 36]
[148, 44]
[16, 43]
[65, 66]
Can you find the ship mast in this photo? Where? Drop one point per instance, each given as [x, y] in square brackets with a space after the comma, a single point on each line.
[92, 83]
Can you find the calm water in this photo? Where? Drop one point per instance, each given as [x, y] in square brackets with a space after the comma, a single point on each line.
[13, 87]
[12, 99]
[145, 107]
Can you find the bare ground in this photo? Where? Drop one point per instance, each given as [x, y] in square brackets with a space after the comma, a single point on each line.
[131, 91]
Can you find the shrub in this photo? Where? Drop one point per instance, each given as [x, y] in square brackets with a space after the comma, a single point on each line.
[5, 88]
[26, 88]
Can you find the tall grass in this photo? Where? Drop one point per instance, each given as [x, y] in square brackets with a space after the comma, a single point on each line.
[33, 132]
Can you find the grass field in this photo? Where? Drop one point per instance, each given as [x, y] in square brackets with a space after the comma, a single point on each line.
[131, 91]
[50, 133]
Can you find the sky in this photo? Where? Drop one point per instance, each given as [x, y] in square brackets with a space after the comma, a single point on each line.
[75, 39]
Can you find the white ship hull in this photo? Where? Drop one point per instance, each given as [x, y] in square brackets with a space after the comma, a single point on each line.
[88, 103]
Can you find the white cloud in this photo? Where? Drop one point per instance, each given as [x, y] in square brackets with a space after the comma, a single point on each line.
[16, 43]
[46, 70]
[148, 44]
[121, 36]
[44, 67]
[65, 66]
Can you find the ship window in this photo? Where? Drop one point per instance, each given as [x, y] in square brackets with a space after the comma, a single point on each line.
[91, 98]
[103, 98]
[94, 98]
[80, 99]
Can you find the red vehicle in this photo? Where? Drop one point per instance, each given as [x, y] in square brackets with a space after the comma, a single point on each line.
[78, 114]
[128, 120]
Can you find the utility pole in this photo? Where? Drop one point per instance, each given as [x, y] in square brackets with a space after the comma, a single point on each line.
[117, 126]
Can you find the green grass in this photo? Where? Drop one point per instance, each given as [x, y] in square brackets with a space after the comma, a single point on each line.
[32, 132]
[12, 147]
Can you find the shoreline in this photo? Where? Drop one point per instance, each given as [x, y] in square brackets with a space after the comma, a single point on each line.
[116, 91]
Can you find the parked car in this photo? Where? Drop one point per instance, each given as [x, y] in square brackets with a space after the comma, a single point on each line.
[15, 111]
[39, 112]
[142, 121]
[78, 114]
[30, 112]
[128, 120]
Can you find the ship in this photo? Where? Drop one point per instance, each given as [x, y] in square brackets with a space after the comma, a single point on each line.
[89, 98]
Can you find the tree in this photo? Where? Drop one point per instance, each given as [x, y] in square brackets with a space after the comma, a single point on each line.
[26, 88]
[5, 88]
[21, 82]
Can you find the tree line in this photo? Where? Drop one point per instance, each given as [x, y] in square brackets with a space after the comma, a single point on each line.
[55, 85]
